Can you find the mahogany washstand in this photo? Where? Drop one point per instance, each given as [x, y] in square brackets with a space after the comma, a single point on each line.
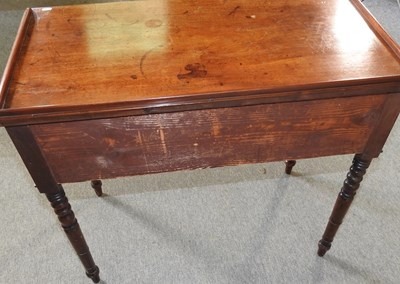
[106, 90]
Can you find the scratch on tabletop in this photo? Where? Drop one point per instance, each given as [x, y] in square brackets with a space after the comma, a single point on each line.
[111, 18]
[233, 12]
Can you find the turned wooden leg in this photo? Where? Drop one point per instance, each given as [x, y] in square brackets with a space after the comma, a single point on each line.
[71, 227]
[30, 152]
[289, 166]
[96, 185]
[343, 202]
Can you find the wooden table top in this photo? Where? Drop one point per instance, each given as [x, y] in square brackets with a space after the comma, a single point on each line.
[99, 58]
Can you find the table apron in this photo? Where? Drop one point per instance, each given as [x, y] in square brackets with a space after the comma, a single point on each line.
[107, 148]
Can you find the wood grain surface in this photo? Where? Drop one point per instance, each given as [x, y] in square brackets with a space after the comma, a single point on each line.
[107, 148]
[158, 51]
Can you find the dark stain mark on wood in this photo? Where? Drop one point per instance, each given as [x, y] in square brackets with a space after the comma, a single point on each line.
[196, 70]
[134, 77]
[186, 12]
[134, 22]
[110, 17]
[234, 11]
[153, 23]
[142, 61]
[148, 110]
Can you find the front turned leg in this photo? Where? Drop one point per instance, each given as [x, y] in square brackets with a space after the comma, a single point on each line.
[71, 227]
[343, 202]
[96, 185]
[289, 166]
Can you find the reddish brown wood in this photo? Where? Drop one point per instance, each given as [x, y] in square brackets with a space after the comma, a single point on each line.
[51, 114]
[387, 118]
[25, 143]
[106, 148]
[97, 186]
[289, 166]
[140, 55]
[41, 174]
[343, 202]
[26, 21]
[377, 28]
[73, 231]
